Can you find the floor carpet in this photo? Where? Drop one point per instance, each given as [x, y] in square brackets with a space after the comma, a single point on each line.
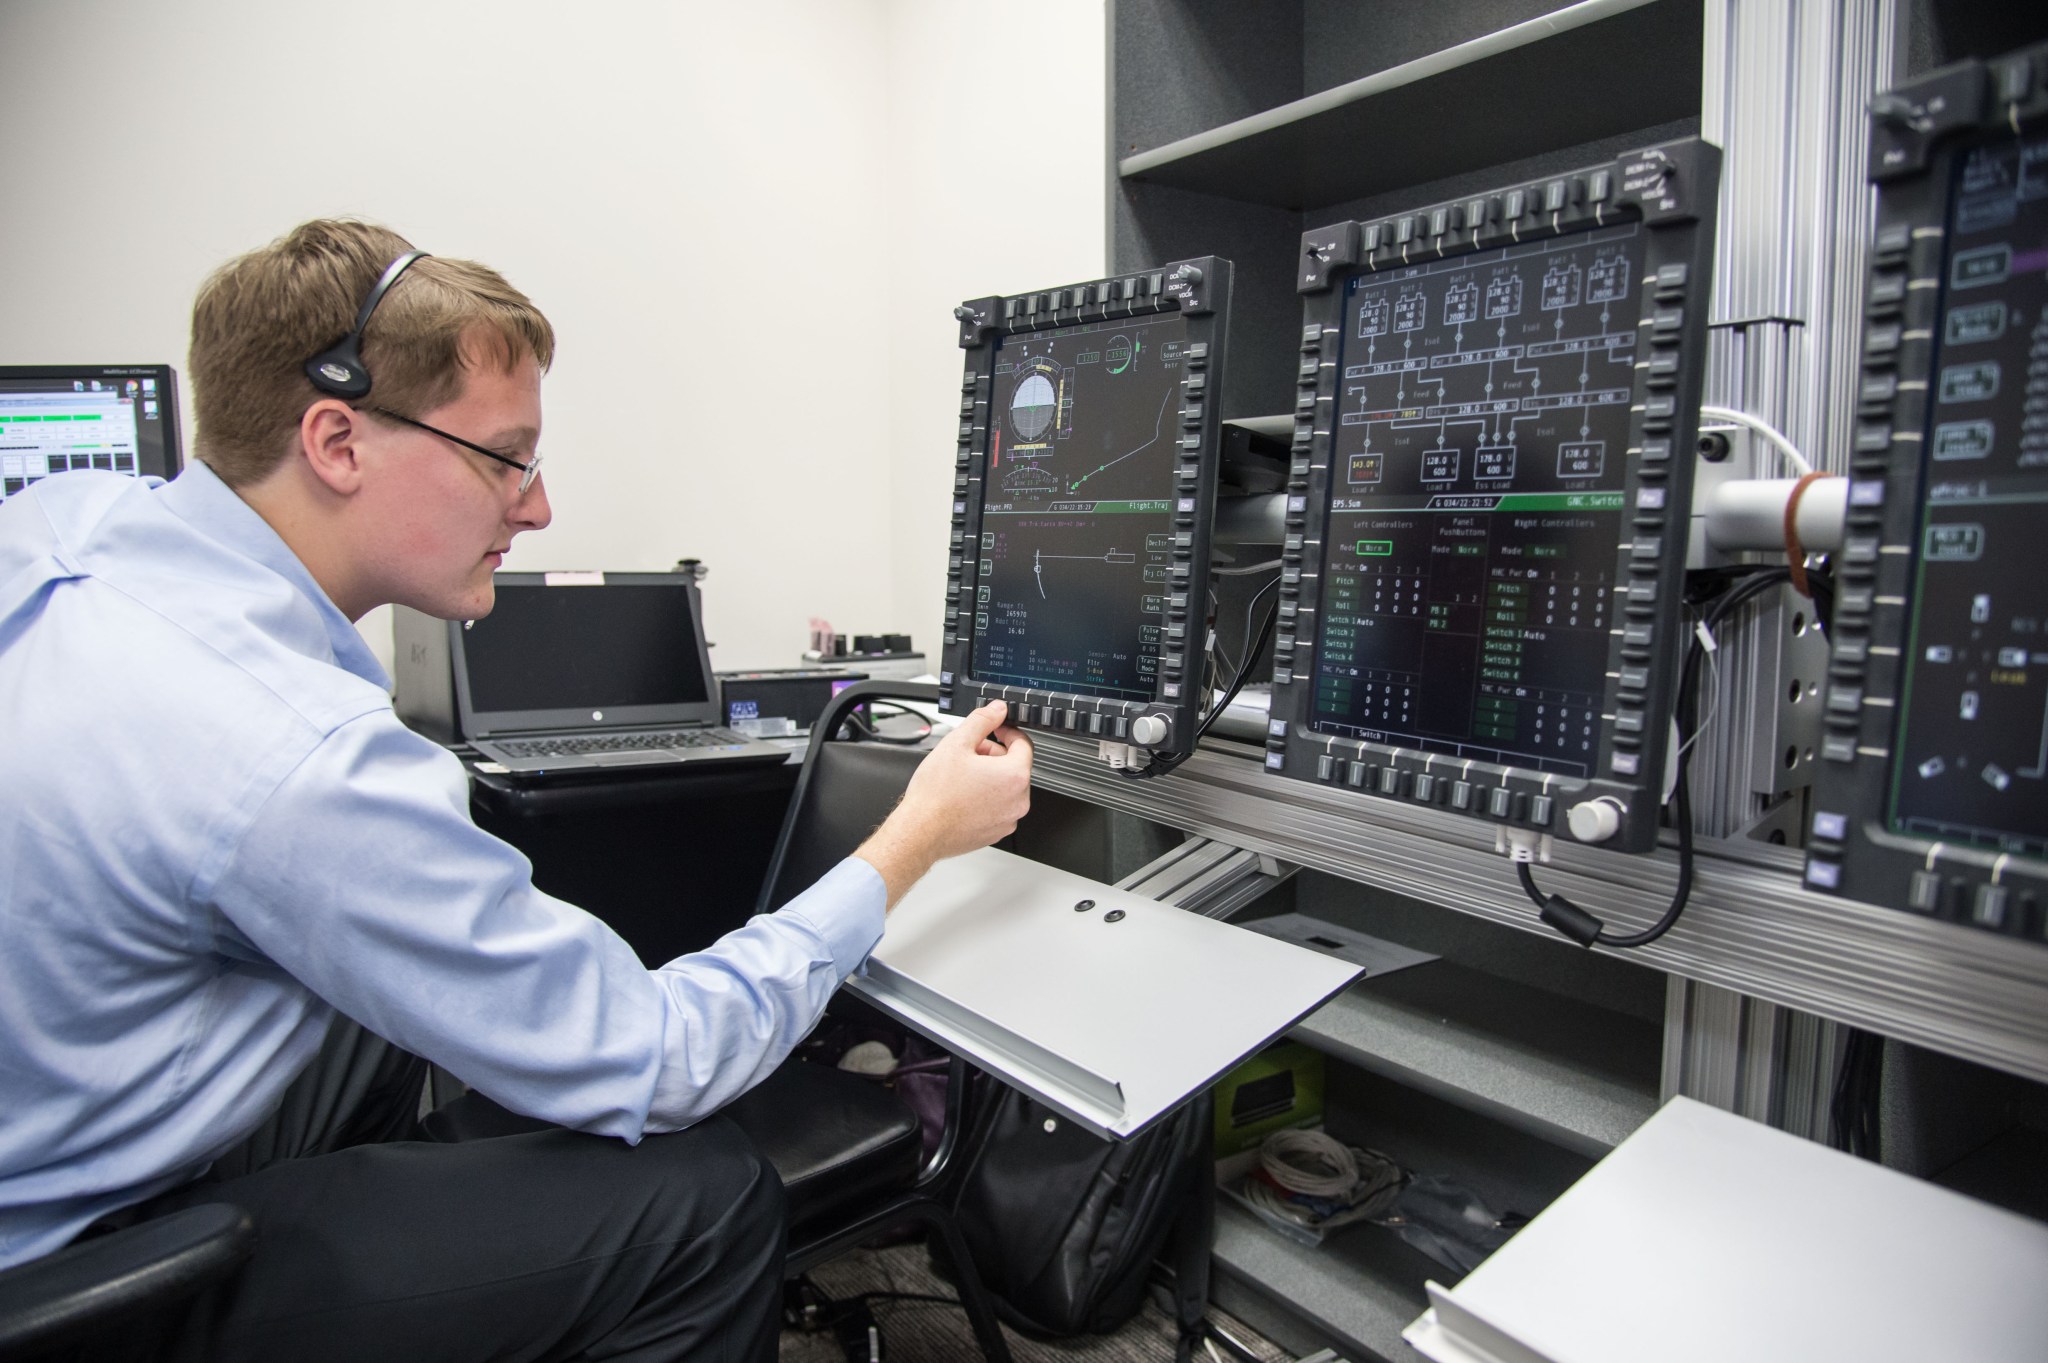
[931, 1332]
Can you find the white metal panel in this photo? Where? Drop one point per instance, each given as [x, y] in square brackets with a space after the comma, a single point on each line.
[1113, 1023]
[1706, 1237]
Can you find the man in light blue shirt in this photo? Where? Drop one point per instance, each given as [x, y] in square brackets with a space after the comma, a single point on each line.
[218, 839]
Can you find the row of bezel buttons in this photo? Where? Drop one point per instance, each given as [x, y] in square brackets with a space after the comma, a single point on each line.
[1128, 297]
[1898, 354]
[1482, 212]
[1499, 802]
[1665, 326]
[1097, 717]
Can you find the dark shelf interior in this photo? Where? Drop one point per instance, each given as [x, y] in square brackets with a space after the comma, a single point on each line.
[1575, 1074]
[1363, 1284]
[2009, 1171]
[1630, 70]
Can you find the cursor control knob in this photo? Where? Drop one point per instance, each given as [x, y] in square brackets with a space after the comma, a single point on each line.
[1595, 820]
[1148, 730]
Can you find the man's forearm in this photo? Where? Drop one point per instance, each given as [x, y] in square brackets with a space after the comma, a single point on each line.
[900, 854]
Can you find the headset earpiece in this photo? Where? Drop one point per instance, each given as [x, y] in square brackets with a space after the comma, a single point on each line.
[338, 370]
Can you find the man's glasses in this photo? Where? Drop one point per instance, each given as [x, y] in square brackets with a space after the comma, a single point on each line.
[528, 470]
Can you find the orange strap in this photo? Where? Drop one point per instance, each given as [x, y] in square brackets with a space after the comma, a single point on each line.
[1795, 552]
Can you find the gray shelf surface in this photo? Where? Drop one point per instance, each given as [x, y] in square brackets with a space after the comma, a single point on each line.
[1360, 1288]
[1461, 109]
[1579, 1076]
[1750, 926]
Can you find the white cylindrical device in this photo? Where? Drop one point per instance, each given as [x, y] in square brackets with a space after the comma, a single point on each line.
[1749, 513]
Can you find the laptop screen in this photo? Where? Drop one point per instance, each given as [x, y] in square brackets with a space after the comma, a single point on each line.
[624, 650]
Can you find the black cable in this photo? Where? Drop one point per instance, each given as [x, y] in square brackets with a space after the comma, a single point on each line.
[1729, 591]
[1855, 1111]
[1251, 606]
[1161, 765]
[862, 722]
[1822, 580]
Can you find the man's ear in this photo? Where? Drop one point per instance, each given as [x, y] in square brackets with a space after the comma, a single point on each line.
[328, 435]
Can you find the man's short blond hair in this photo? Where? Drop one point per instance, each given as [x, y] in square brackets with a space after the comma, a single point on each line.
[260, 316]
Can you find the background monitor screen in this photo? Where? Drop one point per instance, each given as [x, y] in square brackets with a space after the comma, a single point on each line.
[1476, 499]
[1971, 758]
[1077, 517]
[602, 647]
[117, 418]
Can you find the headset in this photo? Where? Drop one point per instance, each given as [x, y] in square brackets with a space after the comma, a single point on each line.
[338, 370]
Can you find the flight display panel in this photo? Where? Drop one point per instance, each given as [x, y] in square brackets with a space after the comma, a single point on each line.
[1477, 482]
[1971, 756]
[1084, 483]
[1077, 527]
[1486, 521]
[1931, 795]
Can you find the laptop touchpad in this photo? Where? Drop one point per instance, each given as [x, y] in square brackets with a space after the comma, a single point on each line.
[632, 759]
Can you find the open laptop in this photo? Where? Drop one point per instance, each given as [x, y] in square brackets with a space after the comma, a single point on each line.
[592, 672]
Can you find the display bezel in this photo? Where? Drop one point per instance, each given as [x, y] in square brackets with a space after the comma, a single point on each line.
[1670, 191]
[1198, 291]
[1920, 134]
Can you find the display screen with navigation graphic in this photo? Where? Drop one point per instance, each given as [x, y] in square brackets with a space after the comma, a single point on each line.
[1077, 513]
[1476, 488]
[1971, 760]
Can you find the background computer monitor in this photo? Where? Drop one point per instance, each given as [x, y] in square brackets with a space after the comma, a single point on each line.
[1932, 794]
[1486, 522]
[1084, 484]
[55, 418]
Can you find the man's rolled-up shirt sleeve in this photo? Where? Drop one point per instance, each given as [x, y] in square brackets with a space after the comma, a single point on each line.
[363, 876]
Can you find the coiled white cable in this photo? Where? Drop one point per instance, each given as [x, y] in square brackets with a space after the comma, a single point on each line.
[1317, 1181]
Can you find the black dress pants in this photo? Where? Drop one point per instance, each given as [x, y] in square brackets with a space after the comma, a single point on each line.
[542, 1245]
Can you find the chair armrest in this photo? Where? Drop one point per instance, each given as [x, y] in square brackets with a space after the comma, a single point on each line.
[92, 1284]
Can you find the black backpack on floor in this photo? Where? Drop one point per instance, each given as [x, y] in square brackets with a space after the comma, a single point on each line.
[1063, 1225]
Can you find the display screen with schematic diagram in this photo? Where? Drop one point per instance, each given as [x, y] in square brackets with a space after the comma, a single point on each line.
[1491, 475]
[1933, 788]
[1084, 487]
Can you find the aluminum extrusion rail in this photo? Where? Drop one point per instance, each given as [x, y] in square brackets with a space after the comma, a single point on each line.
[1749, 927]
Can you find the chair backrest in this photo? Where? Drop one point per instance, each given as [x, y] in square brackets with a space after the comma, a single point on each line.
[843, 793]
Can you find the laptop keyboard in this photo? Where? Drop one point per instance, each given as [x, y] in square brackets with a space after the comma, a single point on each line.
[652, 740]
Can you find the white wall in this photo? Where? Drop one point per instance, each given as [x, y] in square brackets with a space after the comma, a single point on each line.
[662, 178]
[998, 136]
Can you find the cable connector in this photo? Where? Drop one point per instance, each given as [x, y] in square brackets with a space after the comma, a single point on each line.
[1522, 845]
[1120, 755]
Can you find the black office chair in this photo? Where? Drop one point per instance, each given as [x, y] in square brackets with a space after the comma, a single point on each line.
[848, 1150]
[94, 1288]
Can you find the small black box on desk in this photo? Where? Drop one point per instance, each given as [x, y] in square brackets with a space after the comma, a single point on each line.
[757, 700]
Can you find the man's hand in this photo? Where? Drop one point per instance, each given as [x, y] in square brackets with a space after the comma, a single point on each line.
[969, 791]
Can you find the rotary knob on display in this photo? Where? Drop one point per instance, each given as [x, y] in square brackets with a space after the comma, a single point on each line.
[1595, 820]
[1147, 730]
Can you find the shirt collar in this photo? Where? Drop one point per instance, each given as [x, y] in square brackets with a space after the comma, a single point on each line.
[200, 499]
